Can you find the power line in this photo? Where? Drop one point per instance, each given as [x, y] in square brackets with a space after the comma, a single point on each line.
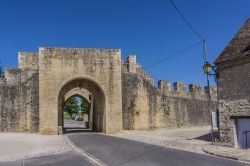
[205, 62]
[186, 21]
[174, 55]
[193, 30]
[150, 74]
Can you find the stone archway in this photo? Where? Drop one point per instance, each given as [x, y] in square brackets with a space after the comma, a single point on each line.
[98, 100]
[83, 93]
[96, 70]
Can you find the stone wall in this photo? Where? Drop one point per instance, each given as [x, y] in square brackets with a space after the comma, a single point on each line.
[19, 101]
[233, 96]
[77, 92]
[32, 96]
[96, 70]
[28, 60]
[148, 107]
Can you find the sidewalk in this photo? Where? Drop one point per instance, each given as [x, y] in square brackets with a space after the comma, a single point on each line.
[189, 139]
[16, 146]
[193, 139]
[228, 152]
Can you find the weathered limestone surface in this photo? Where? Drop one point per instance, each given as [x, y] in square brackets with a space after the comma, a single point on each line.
[234, 100]
[28, 60]
[146, 107]
[97, 70]
[19, 101]
[123, 96]
[233, 72]
[77, 92]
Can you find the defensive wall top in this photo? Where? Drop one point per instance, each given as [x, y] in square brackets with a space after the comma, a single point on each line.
[177, 89]
[30, 60]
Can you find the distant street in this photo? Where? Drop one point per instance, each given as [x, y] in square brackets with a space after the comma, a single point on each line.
[73, 124]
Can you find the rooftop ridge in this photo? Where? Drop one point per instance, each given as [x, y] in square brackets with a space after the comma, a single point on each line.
[239, 46]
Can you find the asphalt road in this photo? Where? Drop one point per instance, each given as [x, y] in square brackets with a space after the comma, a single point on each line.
[72, 124]
[117, 151]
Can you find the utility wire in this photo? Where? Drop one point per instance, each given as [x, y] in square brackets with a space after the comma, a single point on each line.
[174, 55]
[193, 30]
[186, 21]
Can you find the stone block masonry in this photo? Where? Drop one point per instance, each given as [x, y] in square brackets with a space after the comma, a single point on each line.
[233, 77]
[234, 100]
[148, 107]
[124, 95]
[28, 60]
[19, 101]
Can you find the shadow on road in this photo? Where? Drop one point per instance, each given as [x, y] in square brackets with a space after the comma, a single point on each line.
[69, 130]
[207, 137]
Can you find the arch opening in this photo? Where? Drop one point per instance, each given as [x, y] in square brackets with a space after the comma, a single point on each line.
[76, 113]
[89, 116]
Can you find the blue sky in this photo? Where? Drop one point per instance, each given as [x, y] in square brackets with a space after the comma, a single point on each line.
[150, 29]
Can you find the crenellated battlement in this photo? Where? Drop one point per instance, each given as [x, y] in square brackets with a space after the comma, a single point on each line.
[177, 89]
[195, 89]
[144, 106]
[131, 64]
[13, 76]
[28, 60]
[164, 86]
[17, 76]
[167, 105]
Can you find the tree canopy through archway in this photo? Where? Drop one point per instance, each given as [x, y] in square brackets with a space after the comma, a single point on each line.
[75, 106]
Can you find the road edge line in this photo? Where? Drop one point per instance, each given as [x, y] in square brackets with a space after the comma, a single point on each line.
[84, 153]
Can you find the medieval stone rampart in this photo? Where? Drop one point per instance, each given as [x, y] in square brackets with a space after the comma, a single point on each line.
[144, 106]
[19, 101]
[28, 60]
[148, 107]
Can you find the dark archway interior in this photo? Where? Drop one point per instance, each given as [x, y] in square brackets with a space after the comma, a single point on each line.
[97, 103]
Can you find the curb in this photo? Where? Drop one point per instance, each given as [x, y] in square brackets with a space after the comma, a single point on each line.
[224, 156]
[93, 160]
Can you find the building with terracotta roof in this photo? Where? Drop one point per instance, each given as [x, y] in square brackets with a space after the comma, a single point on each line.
[233, 82]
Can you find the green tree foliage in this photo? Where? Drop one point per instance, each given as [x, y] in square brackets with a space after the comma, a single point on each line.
[84, 106]
[71, 106]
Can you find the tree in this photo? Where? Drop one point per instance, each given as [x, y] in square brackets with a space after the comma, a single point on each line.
[84, 106]
[71, 106]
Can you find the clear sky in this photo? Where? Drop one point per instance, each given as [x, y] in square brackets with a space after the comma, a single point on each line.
[150, 29]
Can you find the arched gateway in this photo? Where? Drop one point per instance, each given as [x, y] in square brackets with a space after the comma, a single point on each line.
[96, 70]
[98, 100]
[120, 95]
